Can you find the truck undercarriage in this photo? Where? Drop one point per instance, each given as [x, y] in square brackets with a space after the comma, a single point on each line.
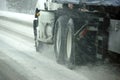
[80, 34]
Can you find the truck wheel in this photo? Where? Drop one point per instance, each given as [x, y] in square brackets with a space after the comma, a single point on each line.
[58, 47]
[64, 41]
[36, 36]
[70, 55]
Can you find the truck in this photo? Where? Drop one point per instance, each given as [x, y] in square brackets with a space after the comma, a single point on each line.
[82, 31]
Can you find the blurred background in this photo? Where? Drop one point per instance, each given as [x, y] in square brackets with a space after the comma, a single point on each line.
[21, 6]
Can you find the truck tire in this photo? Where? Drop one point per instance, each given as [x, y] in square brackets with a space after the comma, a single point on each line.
[70, 51]
[58, 45]
[38, 44]
[64, 41]
[70, 54]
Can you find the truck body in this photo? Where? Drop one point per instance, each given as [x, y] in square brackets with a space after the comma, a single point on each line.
[80, 30]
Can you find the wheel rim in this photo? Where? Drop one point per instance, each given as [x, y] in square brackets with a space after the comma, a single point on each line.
[69, 43]
[58, 41]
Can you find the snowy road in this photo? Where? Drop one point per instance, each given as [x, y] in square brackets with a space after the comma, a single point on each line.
[19, 60]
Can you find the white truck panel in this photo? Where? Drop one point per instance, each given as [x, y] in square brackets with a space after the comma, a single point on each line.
[46, 21]
[114, 37]
[49, 4]
[40, 4]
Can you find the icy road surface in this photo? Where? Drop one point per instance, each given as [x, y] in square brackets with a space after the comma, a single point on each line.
[19, 61]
